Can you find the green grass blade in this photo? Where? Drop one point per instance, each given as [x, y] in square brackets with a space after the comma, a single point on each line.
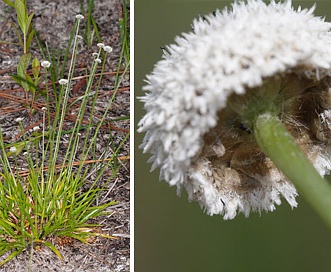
[11, 256]
[52, 247]
[96, 30]
[8, 2]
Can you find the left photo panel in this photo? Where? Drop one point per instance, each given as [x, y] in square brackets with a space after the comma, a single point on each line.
[65, 135]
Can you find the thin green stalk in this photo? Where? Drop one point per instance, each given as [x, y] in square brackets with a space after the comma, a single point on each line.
[65, 100]
[74, 136]
[277, 143]
[124, 33]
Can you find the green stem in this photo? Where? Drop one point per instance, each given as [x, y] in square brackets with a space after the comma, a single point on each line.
[277, 143]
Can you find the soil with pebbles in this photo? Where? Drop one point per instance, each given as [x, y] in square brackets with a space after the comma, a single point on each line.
[53, 21]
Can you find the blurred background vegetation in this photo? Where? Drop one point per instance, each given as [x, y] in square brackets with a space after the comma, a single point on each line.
[172, 234]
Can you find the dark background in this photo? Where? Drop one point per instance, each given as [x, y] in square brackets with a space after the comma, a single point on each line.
[172, 234]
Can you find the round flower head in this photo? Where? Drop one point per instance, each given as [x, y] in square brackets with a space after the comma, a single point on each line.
[198, 93]
[45, 64]
[108, 48]
[79, 17]
[63, 81]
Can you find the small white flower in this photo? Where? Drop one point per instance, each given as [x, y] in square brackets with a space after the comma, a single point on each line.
[13, 149]
[44, 109]
[108, 48]
[94, 54]
[45, 64]
[79, 17]
[36, 128]
[19, 119]
[193, 130]
[63, 81]
[98, 60]
[101, 45]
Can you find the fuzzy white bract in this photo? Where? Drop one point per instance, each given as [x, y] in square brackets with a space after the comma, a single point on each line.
[193, 137]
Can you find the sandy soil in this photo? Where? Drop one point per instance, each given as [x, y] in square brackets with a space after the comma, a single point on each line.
[53, 21]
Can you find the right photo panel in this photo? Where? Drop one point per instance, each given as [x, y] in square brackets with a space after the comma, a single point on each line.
[232, 136]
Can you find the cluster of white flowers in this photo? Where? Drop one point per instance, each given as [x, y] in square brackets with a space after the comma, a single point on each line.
[226, 54]
[106, 48]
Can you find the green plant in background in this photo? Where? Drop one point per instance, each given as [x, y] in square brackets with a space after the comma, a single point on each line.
[91, 28]
[51, 201]
[124, 33]
[25, 37]
[125, 44]
[24, 22]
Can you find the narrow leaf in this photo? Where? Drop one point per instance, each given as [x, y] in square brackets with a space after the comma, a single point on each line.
[53, 248]
[18, 34]
[28, 41]
[21, 15]
[95, 27]
[11, 256]
[9, 3]
[28, 21]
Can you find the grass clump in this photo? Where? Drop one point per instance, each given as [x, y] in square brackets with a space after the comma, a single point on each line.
[53, 200]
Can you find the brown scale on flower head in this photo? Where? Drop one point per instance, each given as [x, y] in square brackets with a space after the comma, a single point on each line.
[320, 105]
[306, 114]
[237, 162]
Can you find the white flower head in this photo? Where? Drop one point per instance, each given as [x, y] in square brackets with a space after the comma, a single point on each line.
[13, 149]
[79, 17]
[192, 124]
[44, 108]
[97, 60]
[108, 48]
[19, 119]
[96, 55]
[45, 64]
[101, 45]
[63, 81]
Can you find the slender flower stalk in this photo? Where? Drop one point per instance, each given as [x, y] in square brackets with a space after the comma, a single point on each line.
[209, 94]
[65, 89]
